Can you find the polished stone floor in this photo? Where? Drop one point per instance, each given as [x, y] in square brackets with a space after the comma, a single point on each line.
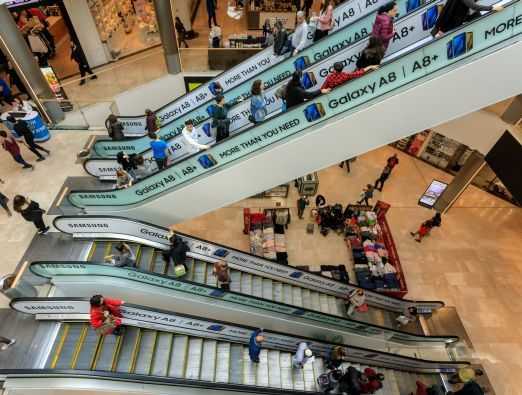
[472, 262]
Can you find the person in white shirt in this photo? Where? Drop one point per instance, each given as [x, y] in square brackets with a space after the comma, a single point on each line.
[302, 355]
[191, 136]
[299, 38]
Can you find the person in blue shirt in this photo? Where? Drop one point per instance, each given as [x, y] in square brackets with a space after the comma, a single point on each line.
[254, 347]
[159, 151]
[6, 95]
[257, 102]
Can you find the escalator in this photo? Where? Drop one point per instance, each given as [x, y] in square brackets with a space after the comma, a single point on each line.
[169, 348]
[294, 143]
[269, 298]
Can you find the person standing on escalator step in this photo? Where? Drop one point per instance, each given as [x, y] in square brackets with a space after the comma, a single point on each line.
[324, 20]
[159, 151]
[299, 38]
[222, 273]
[191, 135]
[338, 76]
[282, 44]
[177, 253]
[296, 94]
[105, 315]
[254, 346]
[258, 109]
[372, 55]
[220, 118]
[151, 122]
[383, 28]
[114, 128]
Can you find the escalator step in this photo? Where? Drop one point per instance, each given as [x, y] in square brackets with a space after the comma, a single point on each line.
[332, 305]
[106, 354]
[69, 344]
[287, 294]
[236, 364]
[323, 300]
[208, 360]
[100, 247]
[278, 291]
[88, 348]
[147, 256]
[211, 279]
[297, 297]
[162, 353]
[249, 369]
[236, 281]
[341, 307]
[262, 369]
[319, 369]
[274, 369]
[309, 377]
[178, 356]
[257, 286]
[195, 353]
[223, 363]
[159, 263]
[146, 352]
[316, 303]
[285, 361]
[245, 281]
[298, 379]
[127, 347]
[268, 289]
[307, 301]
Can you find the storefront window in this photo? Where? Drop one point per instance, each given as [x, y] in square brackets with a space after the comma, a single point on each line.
[125, 26]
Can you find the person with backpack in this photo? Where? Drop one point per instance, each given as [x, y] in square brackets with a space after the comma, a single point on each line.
[379, 183]
[114, 128]
[159, 151]
[151, 122]
[31, 212]
[124, 256]
[177, 253]
[329, 381]
[338, 76]
[324, 20]
[220, 120]
[372, 55]
[105, 315]
[254, 346]
[258, 110]
[383, 28]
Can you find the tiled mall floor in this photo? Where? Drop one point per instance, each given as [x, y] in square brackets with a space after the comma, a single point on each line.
[472, 262]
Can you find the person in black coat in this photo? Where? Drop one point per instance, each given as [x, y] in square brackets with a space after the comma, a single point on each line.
[456, 12]
[22, 129]
[372, 55]
[296, 94]
[31, 212]
[177, 252]
[281, 41]
[211, 11]
[78, 57]
[181, 32]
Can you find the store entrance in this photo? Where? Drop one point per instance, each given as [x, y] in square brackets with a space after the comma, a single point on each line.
[49, 32]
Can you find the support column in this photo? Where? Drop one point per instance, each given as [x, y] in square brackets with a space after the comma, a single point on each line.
[464, 177]
[165, 18]
[22, 59]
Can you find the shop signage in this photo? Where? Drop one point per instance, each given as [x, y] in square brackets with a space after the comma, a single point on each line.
[406, 71]
[155, 236]
[52, 270]
[172, 322]
[432, 193]
[276, 76]
[344, 14]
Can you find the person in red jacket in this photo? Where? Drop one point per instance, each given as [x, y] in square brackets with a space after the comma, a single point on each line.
[11, 146]
[383, 26]
[338, 76]
[370, 381]
[106, 315]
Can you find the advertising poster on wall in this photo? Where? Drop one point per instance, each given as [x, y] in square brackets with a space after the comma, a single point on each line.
[432, 193]
[58, 91]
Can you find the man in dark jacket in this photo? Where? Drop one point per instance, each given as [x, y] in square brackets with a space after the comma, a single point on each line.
[296, 94]
[22, 129]
[456, 12]
[78, 56]
[177, 252]
[281, 42]
[219, 114]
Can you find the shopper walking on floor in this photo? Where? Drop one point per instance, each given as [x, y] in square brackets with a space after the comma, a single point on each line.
[324, 20]
[105, 315]
[78, 56]
[299, 37]
[211, 11]
[31, 212]
[366, 195]
[302, 355]
[151, 122]
[181, 32]
[254, 346]
[302, 202]
[222, 273]
[159, 151]
[3, 202]
[392, 161]
[379, 183]
[114, 128]
[258, 109]
[383, 28]
[10, 145]
[22, 129]
[426, 227]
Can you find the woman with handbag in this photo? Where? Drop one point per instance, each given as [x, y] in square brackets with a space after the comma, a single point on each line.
[106, 316]
[324, 20]
[31, 212]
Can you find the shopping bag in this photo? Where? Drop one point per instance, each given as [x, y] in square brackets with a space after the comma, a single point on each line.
[362, 308]
[179, 270]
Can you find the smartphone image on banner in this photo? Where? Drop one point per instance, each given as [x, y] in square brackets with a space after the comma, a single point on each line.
[210, 110]
[207, 129]
[459, 45]
[314, 111]
[301, 62]
[308, 80]
[412, 5]
[212, 87]
[429, 18]
[221, 252]
[207, 161]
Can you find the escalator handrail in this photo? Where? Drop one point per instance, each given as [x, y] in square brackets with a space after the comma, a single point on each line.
[296, 108]
[249, 254]
[253, 78]
[62, 314]
[447, 339]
